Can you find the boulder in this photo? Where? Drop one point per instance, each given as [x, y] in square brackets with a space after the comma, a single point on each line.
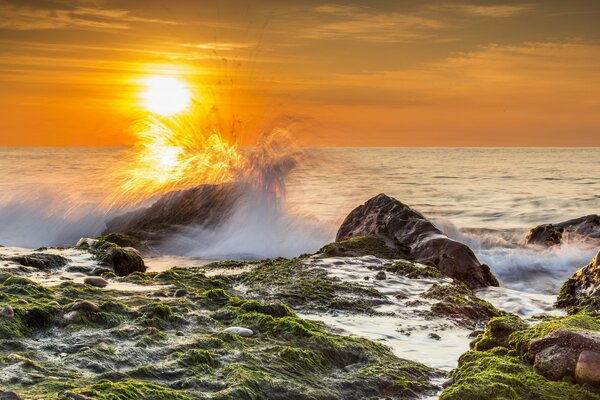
[95, 281]
[587, 369]
[121, 260]
[207, 206]
[409, 231]
[557, 354]
[44, 262]
[582, 290]
[587, 228]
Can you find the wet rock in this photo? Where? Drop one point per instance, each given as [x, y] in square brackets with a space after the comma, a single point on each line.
[208, 206]
[587, 227]
[83, 305]
[180, 293]
[96, 281]
[357, 246]
[75, 396]
[582, 290]
[245, 332]
[381, 276]
[404, 228]
[587, 369]
[446, 383]
[179, 333]
[7, 312]
[122, 261]
[99, 271]
[45, 262]
[435, 336]
[78, 268]
[556, 354]
[72, 317]
[86, 242]
[9, 396]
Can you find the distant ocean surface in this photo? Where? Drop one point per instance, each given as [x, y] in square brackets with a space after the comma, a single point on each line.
[486, 197]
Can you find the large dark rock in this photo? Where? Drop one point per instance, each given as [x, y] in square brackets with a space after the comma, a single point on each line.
[582, 290]
[587, 228]
[121, 260]
[556, 355]
[45, 262]
[207, 206]
[404, 228]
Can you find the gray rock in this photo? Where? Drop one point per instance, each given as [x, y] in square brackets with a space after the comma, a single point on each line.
[9, 396]
[582, 290]
[587, 228]
[96, 281]
[45, 262]
[404, 228]
[381, 276]
[72, 317]
[122, 261]
[75, 396]
[180, 293]
[245, 332]
[83, 305]
[556, 355]
[100, 270]
[587, 369]
[7, 312]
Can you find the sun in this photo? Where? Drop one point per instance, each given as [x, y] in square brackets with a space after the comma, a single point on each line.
[165, 95]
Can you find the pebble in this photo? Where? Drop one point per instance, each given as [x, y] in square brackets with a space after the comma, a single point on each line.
[96, 281]
[84, 305]
[447, 383]
[72, 317]
[245, 332]
[99, 271]
[7, 312]
[179, 333]
[435, 336]
[381, 276]
[587, 369]
[75, 396]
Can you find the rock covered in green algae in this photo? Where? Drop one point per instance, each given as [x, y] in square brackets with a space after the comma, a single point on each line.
[122, 260]
[44, 262]
[582, 290]
[130, 347]
[500, 364]
[362, 246]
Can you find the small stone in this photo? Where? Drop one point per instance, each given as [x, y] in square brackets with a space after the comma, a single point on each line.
[435, 336]
[587, 369]
[98, 271]
[381, 276]
[22, 301]
[84, 305]
[245, 332]
[72, 317]
[447, 383]
[179, 333]
[7, 312]
[95, 281]
[180, 293]
[75, 396]
[9, 396]
[86, 242]
[161, 276]
[366, 278]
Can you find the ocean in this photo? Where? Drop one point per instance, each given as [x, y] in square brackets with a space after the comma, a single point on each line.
[485, 197]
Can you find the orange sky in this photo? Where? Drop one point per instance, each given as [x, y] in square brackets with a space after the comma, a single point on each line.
[352, 73]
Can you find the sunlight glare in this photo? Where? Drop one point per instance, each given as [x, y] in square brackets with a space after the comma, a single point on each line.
[165, 95]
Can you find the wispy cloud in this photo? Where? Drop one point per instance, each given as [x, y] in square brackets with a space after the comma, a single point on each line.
[365, 23]
[495, 11]
[81, 16]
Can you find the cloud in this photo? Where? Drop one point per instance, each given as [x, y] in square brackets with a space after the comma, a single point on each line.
[79, 16]
[368, 24]
[495, 11]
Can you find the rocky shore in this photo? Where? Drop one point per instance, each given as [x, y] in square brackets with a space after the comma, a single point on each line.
[92, 322]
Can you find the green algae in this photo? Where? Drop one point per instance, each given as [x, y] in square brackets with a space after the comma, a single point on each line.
[362, 246]
[413, 271]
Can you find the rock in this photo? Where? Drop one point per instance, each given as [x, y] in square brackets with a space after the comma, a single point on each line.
[78, 268]
[556, 354]
[98, 271]
[96, 281]
[582, 290]
[86, 242]
[72, 317]
[122, 261]
[9, 396]
[381, 276]
[179, 333]
[207, 206]
[403, 228]
[7, 312]
[180, 293]
[435, 336]
[587, 369]
[83, 305]
[45, 262]
[587, 227]
[446, 383]
[245, 332]
[75, 396]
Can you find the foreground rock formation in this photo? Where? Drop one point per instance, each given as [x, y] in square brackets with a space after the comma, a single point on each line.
[582, 290]
[411, 234]
[586, 228]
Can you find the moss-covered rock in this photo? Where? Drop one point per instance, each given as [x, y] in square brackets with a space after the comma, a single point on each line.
[581, 292]
[123, 261]
[362, 246]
